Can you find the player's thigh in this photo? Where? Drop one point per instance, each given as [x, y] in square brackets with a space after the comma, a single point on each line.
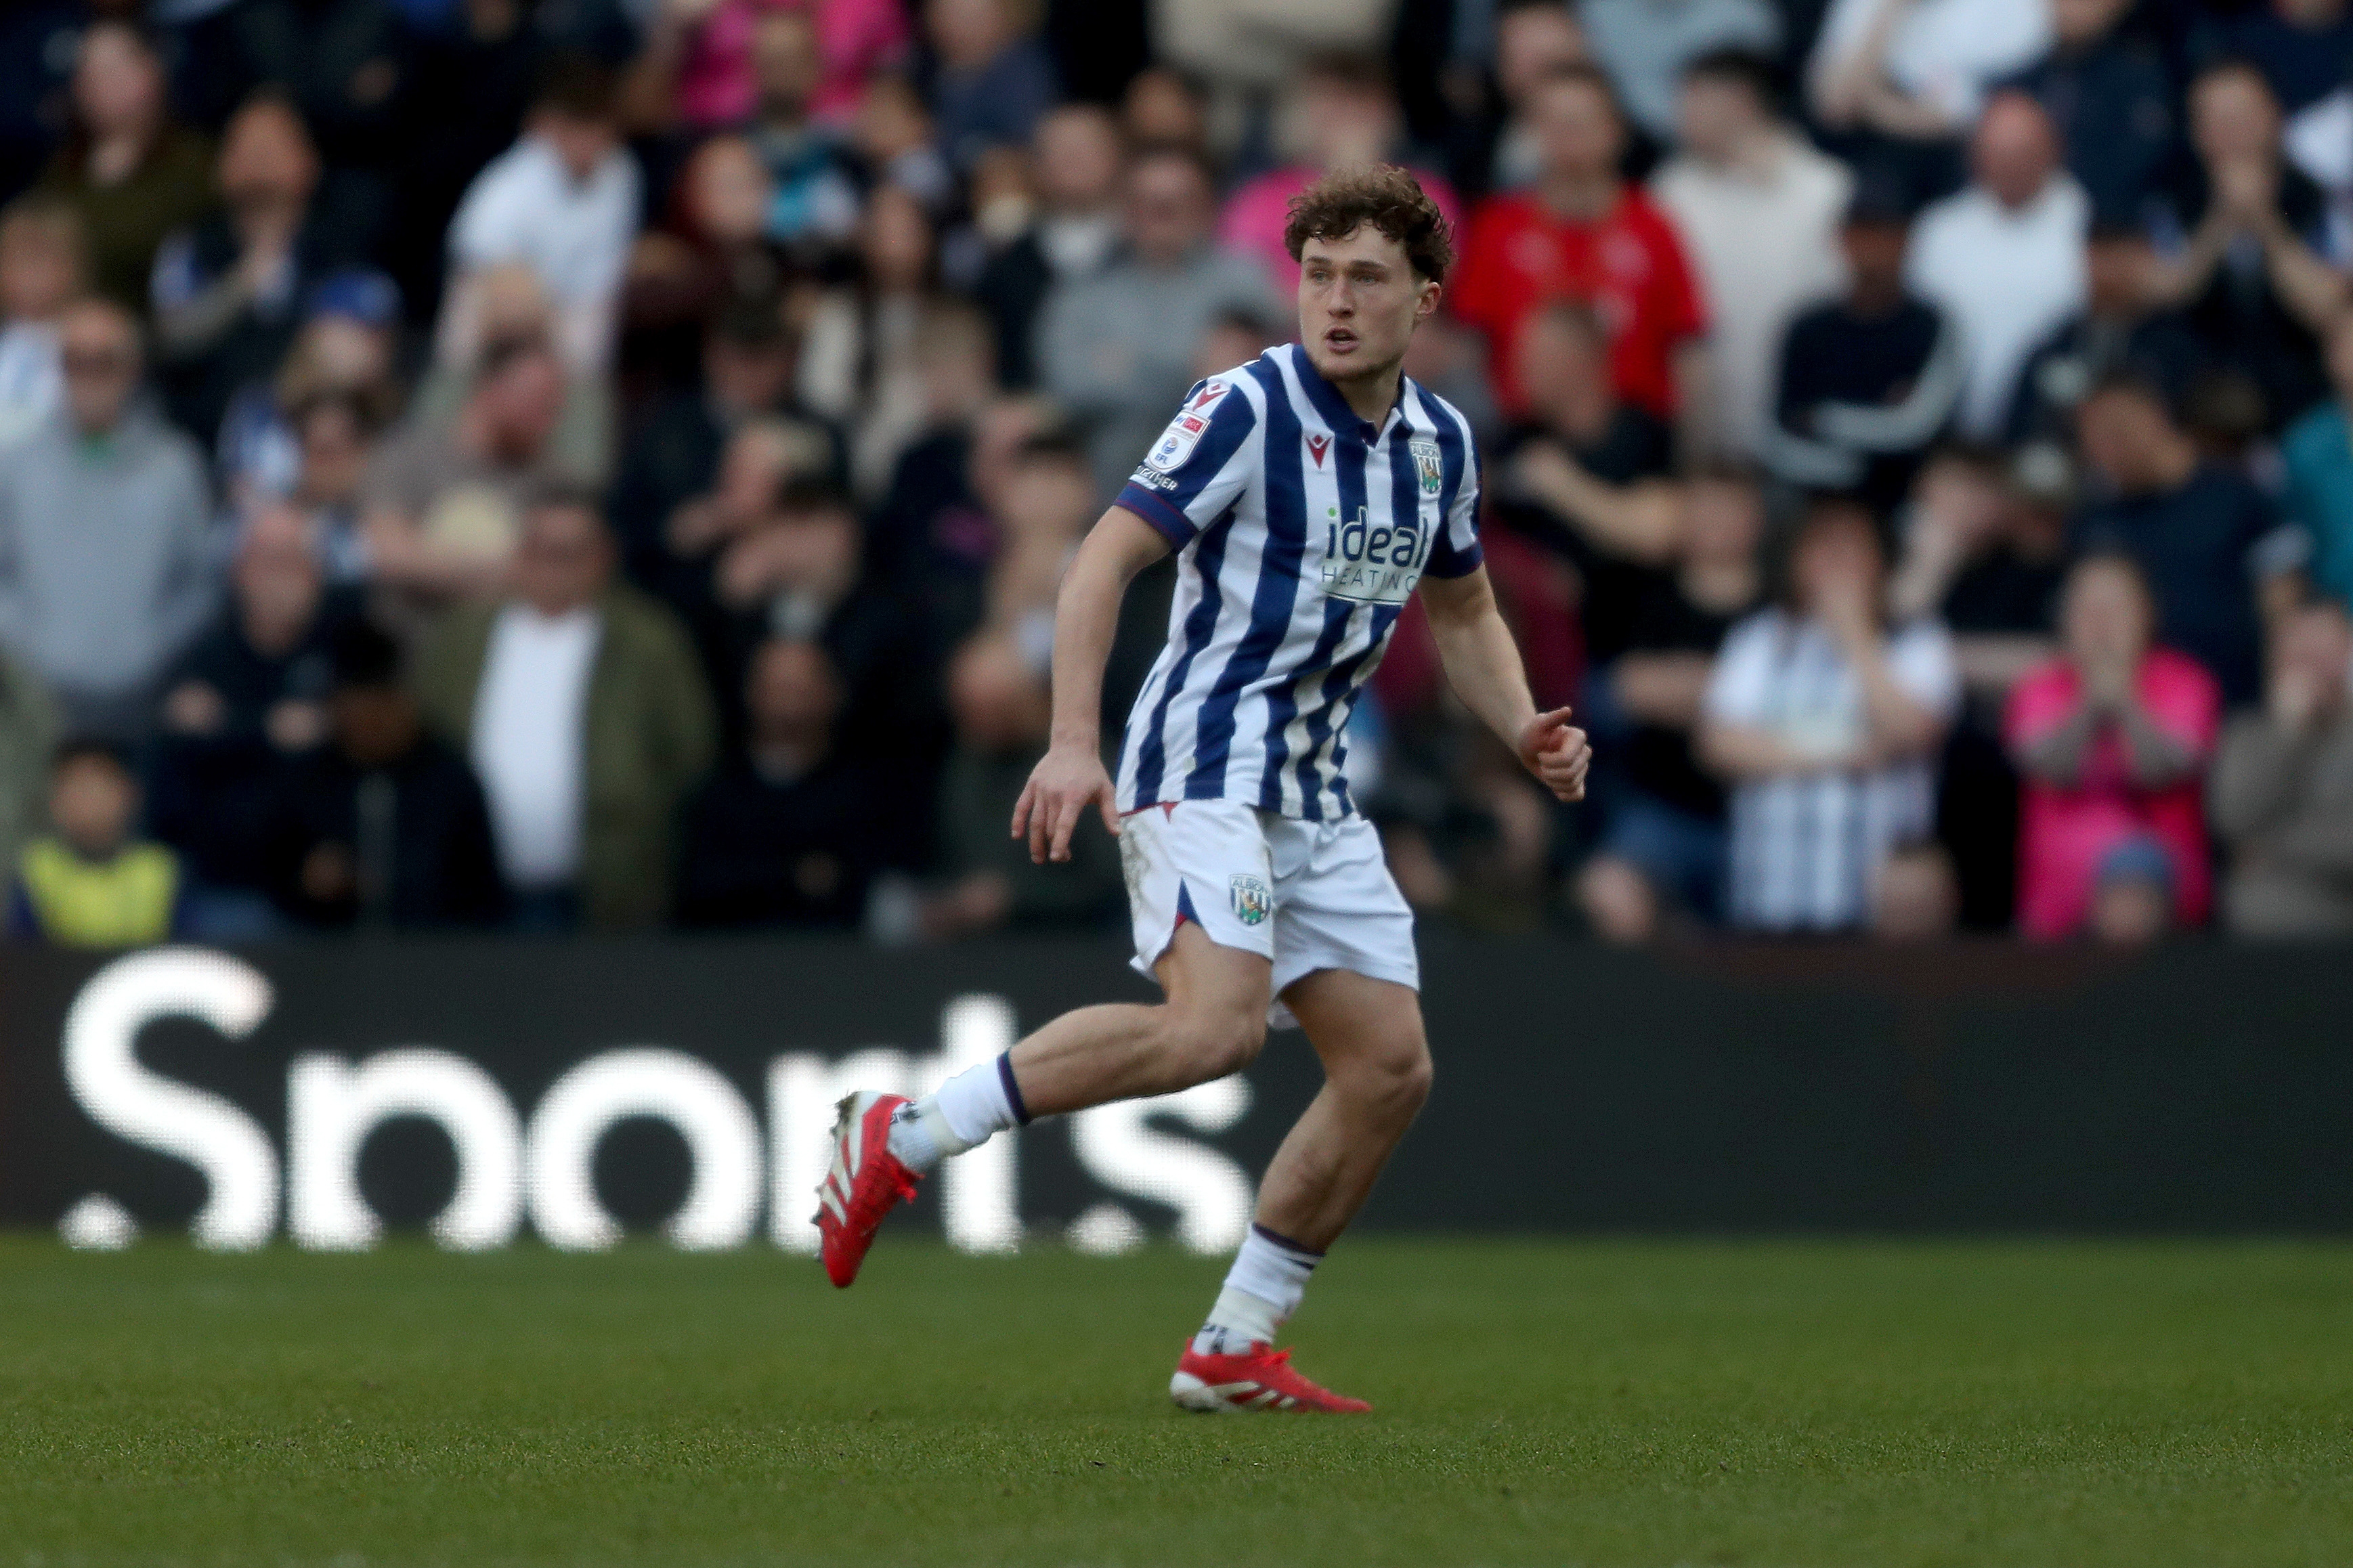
[1218, 996]
[1368, 1033]
[1337, 908]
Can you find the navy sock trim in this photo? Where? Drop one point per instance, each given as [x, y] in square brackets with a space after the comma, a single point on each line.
[1284, 1241]
[1012, 1089]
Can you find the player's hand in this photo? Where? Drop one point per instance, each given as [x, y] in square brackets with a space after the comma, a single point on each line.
[1556, 753]
[1065, 781]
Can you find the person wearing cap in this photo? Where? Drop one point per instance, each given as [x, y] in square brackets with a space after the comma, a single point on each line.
[385, 825]
[1867, 380]
[228, 292]
[2111, 739]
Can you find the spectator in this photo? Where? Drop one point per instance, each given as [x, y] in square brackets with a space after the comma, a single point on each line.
[1496, 149]
[1584, 474]
[763, 458]
[2282, 794]
[1823, 718]
[748, 361]
[2005, 258]
[869, 351]
[2111, 738]
[704, 54]
[40, 272]
[2253, 280]
[564, 202]
[1759, 209]
[2116, 331]
[1985, 551]
[344, 349]
[1919, 70]
[1163, 109]
[992, 79]
[893, 139]
[2133, 900]
[91, 881]
[1582, 234]
[1116, 349]
[227, 293]
[2111, 100]
[442, 506]
[1646, 45]
[105, 548]
[1868, 382]
[2317, 453]
[2299, 46]
[795, 572]
[788, 832]
[340, 64]
[36, 60]
[2207, 538]
[29, 735]
[249, 698]
[813, 209]
[715, 247]
[998, 698]
[385, 826]
[128, 173]
[1077, 150]
[1337, 111]
[586, 718]
[1663, 848]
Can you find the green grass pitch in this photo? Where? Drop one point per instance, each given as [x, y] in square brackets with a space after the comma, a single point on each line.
[1785, 1404]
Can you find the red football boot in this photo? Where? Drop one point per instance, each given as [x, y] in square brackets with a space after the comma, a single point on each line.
[866, 1183]
[1260, 1378]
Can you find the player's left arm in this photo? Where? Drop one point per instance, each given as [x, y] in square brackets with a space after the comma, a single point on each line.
[1483, 664]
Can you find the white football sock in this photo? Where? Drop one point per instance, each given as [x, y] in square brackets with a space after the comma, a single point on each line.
[965, 1113]
[1263, 1288]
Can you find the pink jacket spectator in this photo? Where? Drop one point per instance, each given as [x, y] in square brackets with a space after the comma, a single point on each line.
[856, 37]
[2065, 834]
[1255, 214]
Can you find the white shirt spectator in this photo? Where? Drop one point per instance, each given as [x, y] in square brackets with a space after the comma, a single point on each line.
[574, 235]
[2006, 277]
[1944, 53]
[1767, 246]
[531, 715]
[1806, 846]
[32, 381]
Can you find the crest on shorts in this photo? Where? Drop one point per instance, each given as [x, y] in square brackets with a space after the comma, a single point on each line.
[1253, 902]
[1428, 467]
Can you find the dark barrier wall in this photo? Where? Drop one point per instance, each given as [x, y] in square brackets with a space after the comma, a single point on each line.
[596, 1085]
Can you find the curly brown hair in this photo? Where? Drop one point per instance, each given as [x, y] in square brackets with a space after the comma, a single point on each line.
[1383, 195]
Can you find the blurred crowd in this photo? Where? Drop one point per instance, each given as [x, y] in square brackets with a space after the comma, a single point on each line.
[559, 464]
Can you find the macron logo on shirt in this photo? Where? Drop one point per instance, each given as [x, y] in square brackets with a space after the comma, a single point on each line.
[1317, 446]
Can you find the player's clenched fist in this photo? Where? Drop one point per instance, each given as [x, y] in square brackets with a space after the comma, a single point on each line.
[1066, 780]
[1556, 753]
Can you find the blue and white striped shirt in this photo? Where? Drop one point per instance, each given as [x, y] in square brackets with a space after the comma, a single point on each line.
[1302, 530]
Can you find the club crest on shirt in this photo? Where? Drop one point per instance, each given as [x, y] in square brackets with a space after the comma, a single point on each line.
[1428, 466]
[1252, 902]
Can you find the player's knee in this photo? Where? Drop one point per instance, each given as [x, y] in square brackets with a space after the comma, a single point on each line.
[1212, 1044]
[1391, 1082]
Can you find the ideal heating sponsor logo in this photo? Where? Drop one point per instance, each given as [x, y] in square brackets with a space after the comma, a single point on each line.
[1372, 565]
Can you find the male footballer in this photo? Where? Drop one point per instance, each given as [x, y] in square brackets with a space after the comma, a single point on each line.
[1306, 494]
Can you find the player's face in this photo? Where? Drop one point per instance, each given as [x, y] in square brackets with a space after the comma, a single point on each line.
[1359, 302]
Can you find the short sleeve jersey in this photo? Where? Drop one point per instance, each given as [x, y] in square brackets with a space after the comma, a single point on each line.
[1302, 530]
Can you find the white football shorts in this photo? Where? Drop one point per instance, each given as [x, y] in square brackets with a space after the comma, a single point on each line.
[1304, 895]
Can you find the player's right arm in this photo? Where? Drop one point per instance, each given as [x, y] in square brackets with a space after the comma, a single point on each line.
[1071, 776]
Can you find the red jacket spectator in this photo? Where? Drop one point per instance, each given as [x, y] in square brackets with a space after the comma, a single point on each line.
[1581, 234]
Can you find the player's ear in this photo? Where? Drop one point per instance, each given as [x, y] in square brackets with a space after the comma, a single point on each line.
[1427, 305]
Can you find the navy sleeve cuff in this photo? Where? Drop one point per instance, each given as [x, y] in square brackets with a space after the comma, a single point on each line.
[1458, 562]
[1172, 524]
